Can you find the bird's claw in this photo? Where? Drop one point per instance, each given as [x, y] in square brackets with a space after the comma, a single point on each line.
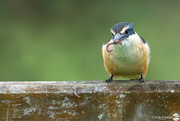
[141, 79]
[110, 79]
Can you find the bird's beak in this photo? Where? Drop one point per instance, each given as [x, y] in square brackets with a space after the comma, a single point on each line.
[119, 37]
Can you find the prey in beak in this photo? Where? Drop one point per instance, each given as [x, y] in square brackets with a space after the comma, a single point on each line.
[116, 39]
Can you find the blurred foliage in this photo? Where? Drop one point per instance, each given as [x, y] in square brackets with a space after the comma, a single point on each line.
[62, 39]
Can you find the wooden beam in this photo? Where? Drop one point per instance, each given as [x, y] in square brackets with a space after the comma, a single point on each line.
[118, 100]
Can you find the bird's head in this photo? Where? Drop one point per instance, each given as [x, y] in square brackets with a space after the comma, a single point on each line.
[122, 31]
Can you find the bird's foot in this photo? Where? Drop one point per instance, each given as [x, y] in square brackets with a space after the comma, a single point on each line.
[141, 79]
[110, 79]
[75, 93]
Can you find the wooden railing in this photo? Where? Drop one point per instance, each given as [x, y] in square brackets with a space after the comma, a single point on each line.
[96, 101]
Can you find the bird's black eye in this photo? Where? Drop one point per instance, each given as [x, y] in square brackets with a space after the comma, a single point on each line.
[127, 31]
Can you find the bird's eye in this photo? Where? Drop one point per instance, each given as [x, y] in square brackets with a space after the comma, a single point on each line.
[127, 31]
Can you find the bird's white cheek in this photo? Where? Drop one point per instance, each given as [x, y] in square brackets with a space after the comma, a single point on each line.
[123, 42]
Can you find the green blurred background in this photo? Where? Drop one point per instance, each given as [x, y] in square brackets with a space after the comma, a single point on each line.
[62, 39]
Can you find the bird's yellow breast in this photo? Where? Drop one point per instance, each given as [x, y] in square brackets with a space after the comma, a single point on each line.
[128, 59]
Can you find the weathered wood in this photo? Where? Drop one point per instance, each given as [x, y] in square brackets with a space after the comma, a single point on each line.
[119, 100]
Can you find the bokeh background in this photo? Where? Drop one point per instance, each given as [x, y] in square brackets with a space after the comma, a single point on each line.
[62, 39]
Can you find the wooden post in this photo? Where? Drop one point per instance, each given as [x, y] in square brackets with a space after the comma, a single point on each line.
[116, 101]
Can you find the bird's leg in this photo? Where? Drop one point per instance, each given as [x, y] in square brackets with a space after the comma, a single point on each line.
[75, 92]
[141, 79]
[110, 79]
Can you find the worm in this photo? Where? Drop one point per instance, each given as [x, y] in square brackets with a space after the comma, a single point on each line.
[75, 93]
[108, 46]
[115, 42]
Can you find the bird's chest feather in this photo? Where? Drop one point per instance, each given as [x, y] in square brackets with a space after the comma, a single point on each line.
[126, 54]
[129, 59]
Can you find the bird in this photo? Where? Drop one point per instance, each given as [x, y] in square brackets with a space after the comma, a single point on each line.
[126, 54]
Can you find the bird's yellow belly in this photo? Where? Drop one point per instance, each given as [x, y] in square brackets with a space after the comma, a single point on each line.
[126, 62]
